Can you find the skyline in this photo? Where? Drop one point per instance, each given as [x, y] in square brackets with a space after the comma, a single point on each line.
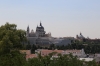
[60, 17]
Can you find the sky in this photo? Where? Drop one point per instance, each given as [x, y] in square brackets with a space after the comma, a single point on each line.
[63, 18]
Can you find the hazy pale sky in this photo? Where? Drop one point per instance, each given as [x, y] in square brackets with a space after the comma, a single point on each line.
[60, 17]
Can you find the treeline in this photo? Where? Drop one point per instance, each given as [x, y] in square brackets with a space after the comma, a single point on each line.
[88, 48]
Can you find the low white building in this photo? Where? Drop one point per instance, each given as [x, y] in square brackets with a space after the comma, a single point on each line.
[86, 59]
[78, 53]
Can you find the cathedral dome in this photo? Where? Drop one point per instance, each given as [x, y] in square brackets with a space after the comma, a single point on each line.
[41, 27]
[80, 36]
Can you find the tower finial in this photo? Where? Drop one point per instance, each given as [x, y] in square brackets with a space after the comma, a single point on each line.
[40, 23]
[80, 33]
[28, 29]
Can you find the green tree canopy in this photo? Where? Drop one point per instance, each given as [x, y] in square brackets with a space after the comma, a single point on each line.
[11, 38]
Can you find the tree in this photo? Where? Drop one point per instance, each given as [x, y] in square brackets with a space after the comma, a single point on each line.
[52, 46]
[11, 41]
[13, 58]
[33, 48]
[28, 47]
[11, 38]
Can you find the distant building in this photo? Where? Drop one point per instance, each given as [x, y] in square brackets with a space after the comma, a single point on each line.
[63, 41]
[86, 59]
[46, 52]
[97, 57]
[40, 32]
[80, 37]
[43, 39]
[39, 36]
[78, 53]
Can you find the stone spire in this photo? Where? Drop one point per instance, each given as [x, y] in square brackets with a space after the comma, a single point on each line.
[40, 24]
[80, 33]
[28, 29]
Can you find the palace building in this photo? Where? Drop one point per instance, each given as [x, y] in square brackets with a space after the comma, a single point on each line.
[39, 36]
[40, 32]
[43, 39]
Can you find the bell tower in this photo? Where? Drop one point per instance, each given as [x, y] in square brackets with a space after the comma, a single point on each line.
[28, 30]
[40, 24]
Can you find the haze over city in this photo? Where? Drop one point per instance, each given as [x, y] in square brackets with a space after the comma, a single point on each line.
[62, 18]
